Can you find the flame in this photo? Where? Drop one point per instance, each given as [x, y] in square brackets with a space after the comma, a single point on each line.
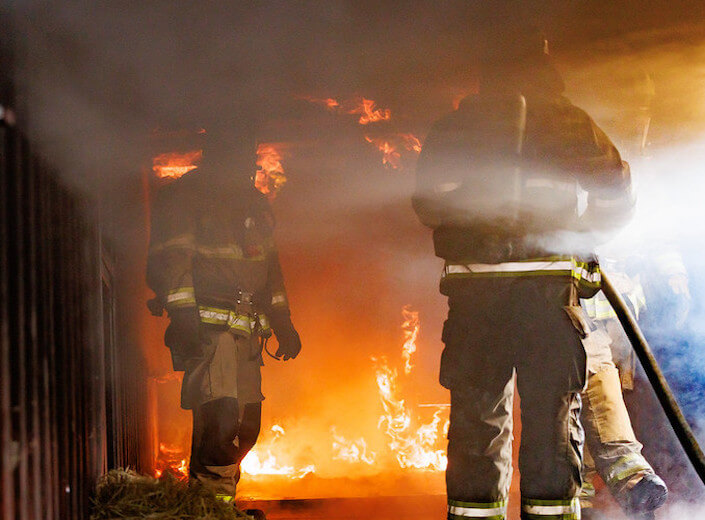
[413, 447]
[256, 462]
[171, 460]
[329, 103]
[391, 158]
[411, 142]
[269, 177]
[351, 451]
[411, 332]
[175, 164]
[369, 113]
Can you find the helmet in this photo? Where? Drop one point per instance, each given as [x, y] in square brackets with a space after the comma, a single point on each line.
[516, 60]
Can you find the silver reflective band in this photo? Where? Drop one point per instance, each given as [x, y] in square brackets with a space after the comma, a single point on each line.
[446, 187]
[609, 203]
[549, 184]
[182, 295]
[278, 298]
[213, 315]
[475, 512]
[587, 275]
[550, 510]
[510, 267]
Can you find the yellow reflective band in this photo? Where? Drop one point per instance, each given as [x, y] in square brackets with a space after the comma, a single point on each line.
[484, 510]
[181, 297]
[224, 498]
[539, 508]
[626, 467]
[474, 512]
[232, 320]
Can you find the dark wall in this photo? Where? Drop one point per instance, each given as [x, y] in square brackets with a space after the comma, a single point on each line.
[69, 408]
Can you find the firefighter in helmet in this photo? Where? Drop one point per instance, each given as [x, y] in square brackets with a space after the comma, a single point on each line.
[214, 267]
[498, 182]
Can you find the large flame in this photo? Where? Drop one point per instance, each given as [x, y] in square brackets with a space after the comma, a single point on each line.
[351, 451]
[269, 177]
[175, 164]
[262, 461]
[413, 447]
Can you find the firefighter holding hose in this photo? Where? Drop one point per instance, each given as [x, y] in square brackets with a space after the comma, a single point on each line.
[214, 267]
[498, 182]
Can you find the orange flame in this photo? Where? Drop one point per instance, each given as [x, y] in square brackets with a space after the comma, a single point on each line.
[171, 460]
[411, 142]
[257, 463]
[351, 451]
[329, 103]
[391, 158]
[175, 164]
[269, 177]
[413, 448]
[411, 332]
[369, 113]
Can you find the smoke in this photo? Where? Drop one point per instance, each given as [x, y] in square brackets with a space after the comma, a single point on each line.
[95, 80]
[645, 90]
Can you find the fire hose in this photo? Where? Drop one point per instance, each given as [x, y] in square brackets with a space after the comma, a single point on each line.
[658, 382]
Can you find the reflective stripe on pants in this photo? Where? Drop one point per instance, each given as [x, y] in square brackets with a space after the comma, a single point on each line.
[564, 509]
[476, 510]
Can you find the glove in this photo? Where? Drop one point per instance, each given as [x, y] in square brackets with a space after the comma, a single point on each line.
[183, 335]
[287, 337]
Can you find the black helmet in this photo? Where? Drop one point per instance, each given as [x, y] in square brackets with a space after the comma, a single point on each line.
[516, 59]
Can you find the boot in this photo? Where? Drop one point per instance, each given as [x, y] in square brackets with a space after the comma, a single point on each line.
[256, 514]
[647, 495]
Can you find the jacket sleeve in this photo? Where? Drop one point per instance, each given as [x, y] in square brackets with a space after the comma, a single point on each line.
[605, 177]
[171, 247]
[438, 173]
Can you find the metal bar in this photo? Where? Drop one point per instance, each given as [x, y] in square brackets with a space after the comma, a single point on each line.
[7, 492]
[18, 324]
[45, 292]
[33, 361]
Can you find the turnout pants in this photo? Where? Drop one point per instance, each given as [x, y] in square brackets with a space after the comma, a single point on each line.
[498, 331]
[222, 435]
[223, 388]
[615, 453]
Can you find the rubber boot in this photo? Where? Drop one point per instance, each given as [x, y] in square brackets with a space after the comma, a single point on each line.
[256, 514]
[645, 497]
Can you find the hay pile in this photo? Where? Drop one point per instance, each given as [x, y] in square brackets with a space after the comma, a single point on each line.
[123, 494]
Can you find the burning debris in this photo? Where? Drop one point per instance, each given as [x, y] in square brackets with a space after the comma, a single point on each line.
[175, 164]
[123, 494]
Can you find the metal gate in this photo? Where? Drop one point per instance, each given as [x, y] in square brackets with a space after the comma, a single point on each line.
[68, 408]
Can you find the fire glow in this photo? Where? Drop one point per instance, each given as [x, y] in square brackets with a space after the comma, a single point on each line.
[269, 177]
[175, 164]
[402, 441]
[390, 144]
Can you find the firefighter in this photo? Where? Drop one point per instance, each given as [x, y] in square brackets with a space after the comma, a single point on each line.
[613, 449]
[498, 181]
[214, 267]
